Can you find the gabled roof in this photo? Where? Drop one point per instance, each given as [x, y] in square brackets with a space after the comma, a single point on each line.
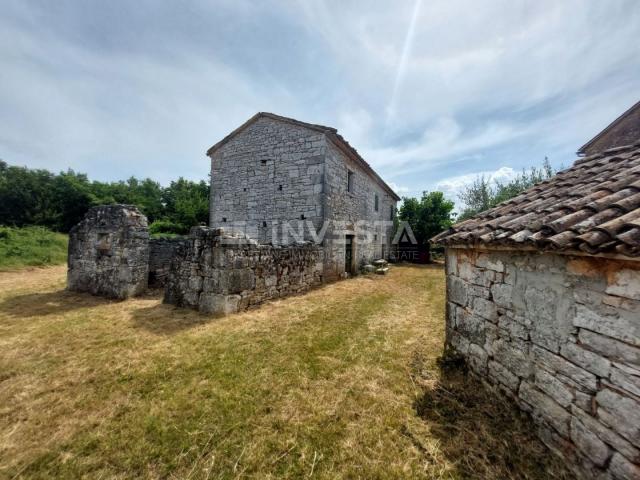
[631, 135]
[592, 207]
[331, 133]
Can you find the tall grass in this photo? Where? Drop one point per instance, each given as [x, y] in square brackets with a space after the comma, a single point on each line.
[31, 246]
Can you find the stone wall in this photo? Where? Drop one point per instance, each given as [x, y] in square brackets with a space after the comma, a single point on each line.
[271, 172]
[561, 336]
[161, 251]
[109, 252]
[223, 273]
[346, 208]
[274, 173]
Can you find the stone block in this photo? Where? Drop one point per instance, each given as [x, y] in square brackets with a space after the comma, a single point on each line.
[477, 359]
[617, 324]
[502, 294]
[612, 348]
[591, 362]
[553, 387]
[457, 290]
[625, 378]
[622, 469]
[470, 326]
[513, 328]
[500, 374]
[624, 283]
[218, 304]
[621, 413]
[556, 364]
[489, 262]
[485, 309]
[546, 408]
[589, 444]
[514, 355]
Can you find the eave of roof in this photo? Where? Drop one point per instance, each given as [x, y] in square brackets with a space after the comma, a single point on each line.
[592, 207]
[331, 133]
[582, 149]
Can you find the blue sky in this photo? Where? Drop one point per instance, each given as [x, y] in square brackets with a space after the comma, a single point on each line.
[431, 93]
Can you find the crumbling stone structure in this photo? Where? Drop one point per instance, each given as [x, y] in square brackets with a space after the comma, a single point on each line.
[220, 273]
[109, 252]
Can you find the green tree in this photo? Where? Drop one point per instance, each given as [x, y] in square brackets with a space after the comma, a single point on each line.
[483, 194]
[428, 216]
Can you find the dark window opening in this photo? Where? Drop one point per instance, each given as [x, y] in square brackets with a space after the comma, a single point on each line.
[302, 217]
[391, 212]
[224, 219]
[375, 237]
[279, 187]
[264, 224]
[375, 202]
[264, 162]
[349, 181]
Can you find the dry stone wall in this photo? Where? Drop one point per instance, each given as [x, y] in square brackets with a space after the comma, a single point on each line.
[221, 273]
[561, 336]
[109, 252]
[161, 251]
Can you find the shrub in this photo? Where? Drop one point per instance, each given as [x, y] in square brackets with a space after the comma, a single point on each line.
[31, 246]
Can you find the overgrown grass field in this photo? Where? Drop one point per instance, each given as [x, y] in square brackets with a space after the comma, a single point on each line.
[342, 382]
[31, 247]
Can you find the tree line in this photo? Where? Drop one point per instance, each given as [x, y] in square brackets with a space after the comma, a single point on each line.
[59, 200]
[433, 213]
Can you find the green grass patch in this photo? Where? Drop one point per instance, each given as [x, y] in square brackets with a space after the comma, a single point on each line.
[31, 247]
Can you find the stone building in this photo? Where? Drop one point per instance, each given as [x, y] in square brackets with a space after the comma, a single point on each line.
[543, 300]
[275, 176]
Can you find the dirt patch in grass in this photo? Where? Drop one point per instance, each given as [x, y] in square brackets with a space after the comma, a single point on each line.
[321, 385]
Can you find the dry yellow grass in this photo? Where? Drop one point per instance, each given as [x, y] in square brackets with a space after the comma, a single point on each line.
[339, 383]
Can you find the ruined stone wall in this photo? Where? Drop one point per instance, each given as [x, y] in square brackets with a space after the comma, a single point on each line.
[161, 251]
[219, 273]
[560, 335]
[272, 172]
[109, 252]
[347, 208]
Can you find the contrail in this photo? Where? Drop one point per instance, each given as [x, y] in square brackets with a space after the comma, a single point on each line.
[406, 51]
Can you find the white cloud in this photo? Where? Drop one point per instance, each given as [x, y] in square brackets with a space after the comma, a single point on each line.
[452, 186]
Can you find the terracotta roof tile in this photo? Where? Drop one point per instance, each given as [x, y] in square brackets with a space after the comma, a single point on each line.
[594, 207]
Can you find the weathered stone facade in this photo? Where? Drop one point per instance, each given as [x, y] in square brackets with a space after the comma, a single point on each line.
[109, 252]
[277, 174]
[161, 252]
[223, 273]
[559, 334]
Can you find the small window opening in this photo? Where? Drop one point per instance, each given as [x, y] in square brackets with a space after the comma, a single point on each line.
[279, 187]
[391, 212]
[349, 181]
[264, 224]
[264, 162]
[375, 237]
[375, 202]
[302, 217]
[224, 219]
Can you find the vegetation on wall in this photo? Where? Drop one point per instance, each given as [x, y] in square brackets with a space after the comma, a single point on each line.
[59, 201]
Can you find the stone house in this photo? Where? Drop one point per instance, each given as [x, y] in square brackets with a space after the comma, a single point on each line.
[543, 301]
[279, 180]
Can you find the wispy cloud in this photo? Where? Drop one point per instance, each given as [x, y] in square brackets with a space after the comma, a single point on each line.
[426, 92]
